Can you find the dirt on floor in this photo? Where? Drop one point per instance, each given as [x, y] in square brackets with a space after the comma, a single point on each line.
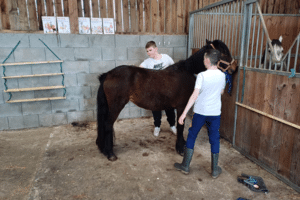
[64, 163]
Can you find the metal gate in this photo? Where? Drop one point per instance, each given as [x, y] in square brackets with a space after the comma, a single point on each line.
[265, 119]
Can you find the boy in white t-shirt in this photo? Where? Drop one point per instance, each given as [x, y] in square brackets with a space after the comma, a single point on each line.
[209, 87]
[158, 61]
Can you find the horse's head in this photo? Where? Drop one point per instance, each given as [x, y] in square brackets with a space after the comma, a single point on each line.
[277, 55]
[226, 63]
[230, 67]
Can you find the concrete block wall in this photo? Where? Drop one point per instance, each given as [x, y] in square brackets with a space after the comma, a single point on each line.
[85, 57]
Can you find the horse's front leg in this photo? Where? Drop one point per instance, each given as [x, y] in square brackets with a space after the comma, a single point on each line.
[180, 142]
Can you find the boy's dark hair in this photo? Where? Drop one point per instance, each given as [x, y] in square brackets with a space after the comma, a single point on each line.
[213, 55]
[150, 44]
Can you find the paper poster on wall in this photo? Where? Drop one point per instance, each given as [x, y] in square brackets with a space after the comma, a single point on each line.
[96, 25]
[108, 26]
[63, 24]
[49, 24]
[84, 25]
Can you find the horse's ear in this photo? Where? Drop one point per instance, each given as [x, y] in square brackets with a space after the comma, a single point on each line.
[280, 38]
[208, 42]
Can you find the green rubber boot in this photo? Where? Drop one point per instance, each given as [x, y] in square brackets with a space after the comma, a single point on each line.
[184, 167]
[215, 169]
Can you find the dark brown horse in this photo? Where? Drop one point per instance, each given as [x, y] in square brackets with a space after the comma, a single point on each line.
[149, 89]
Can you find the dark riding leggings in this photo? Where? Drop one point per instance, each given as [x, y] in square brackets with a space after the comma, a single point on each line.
[170, 117]
[213, 125]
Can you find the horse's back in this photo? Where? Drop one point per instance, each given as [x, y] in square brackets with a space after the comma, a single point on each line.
[149, 89]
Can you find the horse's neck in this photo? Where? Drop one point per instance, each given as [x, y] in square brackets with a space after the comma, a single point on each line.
[194, 64]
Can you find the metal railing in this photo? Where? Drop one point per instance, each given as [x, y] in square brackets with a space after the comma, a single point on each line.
[241, 25]
[222, 21]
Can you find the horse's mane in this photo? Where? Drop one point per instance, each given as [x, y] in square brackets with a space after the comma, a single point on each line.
[194, 64]
[222, 47]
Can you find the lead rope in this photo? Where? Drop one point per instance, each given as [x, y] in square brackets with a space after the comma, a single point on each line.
[227, 75]
[63, 76]
[4, 68]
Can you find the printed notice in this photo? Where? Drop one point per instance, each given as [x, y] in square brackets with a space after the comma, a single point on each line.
[84, 25]
[49, 24]
[63, 24]
[96, 25]
[108, 26]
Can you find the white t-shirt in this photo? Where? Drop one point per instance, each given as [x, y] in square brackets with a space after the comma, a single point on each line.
[151, 63]
[211, 83]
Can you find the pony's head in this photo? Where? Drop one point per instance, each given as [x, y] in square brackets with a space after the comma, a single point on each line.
[227, 63]
[277, 55]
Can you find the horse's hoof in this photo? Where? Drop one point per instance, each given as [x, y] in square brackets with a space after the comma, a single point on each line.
[112, 157]
[180, 152]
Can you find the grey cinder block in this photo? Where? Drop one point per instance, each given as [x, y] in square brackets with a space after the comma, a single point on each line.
[3, 123]
[86, 54]
[101, 66]
[73, 67]
[39, 107]
[108, 53]
[70, 80]
[121, 53]
[87, 79]
[31, 121]
[11, 40]
[74, 40]
[175, 40]
[17, 70]
[127, 41]
[180, 53]
[168, 51]
[158, 39]
[65, 54]
[146, 113]
[4, 52]
[135, 112]
[80, 116]
[29, 54]
[47, 120]
[129, 62]
[101, 40]
[88, 104]
[16, 122]
[64, 106]
[51, 40]
[10, 109]
[95, 90]
[137, 53]
[125, 113]
[78, 93]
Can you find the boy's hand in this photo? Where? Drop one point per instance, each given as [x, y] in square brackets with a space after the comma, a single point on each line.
[181, 119]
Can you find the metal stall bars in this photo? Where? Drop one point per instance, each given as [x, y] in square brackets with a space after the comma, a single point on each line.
[222, 21]
[256, 43]
[10, 91]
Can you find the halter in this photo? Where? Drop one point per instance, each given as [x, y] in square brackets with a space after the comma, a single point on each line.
[223, 61]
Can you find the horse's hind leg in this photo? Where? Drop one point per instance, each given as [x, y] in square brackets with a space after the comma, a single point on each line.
[180, 142]
[106, 132]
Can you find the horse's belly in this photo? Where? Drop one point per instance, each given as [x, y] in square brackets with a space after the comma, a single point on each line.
[152, 104]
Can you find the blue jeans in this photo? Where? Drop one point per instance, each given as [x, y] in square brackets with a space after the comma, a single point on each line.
[213, 125]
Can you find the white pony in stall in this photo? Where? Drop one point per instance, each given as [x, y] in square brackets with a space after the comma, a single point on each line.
[274, 57]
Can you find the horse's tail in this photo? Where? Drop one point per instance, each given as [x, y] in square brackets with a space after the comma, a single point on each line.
[102, 114]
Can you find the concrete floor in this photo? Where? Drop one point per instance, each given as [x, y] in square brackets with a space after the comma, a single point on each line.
[64, 163]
